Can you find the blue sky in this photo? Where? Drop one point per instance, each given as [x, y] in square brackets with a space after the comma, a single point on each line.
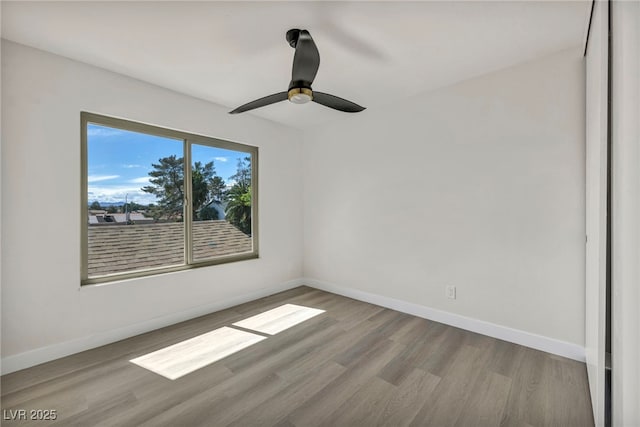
[120, 162]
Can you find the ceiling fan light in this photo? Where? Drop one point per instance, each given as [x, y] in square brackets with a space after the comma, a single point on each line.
[300, 98]
[300, 95]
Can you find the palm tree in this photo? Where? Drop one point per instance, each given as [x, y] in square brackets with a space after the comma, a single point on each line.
[238, 210]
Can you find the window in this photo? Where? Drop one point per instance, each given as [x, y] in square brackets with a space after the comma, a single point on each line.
[156, 200]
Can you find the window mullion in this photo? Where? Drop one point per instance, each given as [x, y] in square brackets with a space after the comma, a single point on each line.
[188, 206]
[84, 211]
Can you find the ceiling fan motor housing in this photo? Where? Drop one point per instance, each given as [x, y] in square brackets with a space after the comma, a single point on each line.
[300, 95]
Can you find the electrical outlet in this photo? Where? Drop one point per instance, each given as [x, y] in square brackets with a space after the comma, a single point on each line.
[451, 292]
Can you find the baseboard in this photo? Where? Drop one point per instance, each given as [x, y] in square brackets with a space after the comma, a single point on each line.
[527, 339]
[56, 351]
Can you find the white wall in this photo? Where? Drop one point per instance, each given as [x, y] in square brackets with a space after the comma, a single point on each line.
[42, 304]
[479, 185]
[625, 137]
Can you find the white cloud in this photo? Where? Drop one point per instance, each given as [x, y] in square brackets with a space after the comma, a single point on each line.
[131, 166]
[141, 180]
[96, 178]
[221, 159]
[118, 194]
[100, 131]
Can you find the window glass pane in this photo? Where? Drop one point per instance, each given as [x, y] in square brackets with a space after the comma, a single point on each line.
[135, 196]
[221, 188]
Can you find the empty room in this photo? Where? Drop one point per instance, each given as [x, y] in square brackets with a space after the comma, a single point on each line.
[320, 213]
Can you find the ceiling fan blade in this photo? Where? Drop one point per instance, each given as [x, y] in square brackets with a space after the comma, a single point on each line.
[336, 103]
[267, 100]
[306, 60]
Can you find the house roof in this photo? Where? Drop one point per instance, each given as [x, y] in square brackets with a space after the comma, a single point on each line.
[117, 218]
[117, 249]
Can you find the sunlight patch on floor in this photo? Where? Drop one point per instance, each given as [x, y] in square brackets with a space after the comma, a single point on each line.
[187, 356]
[278, 319]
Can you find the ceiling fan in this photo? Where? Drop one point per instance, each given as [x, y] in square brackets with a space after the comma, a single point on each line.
[306, 61]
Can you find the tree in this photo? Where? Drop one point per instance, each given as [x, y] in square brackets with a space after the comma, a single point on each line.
[95, 206]
[167, 184]
[201, 180]
[132, 206]
[218, 189]
[243, 172]
[238, 210]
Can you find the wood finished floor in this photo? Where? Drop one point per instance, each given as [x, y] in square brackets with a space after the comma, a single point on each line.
[355, 365]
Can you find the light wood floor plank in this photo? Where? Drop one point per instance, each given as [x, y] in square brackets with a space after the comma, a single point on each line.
[270, 412]
[486, 403]
[445, 404]
[402, 407]
[319, 409]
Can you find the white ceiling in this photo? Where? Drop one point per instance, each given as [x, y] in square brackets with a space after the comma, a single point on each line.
[373, 53]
